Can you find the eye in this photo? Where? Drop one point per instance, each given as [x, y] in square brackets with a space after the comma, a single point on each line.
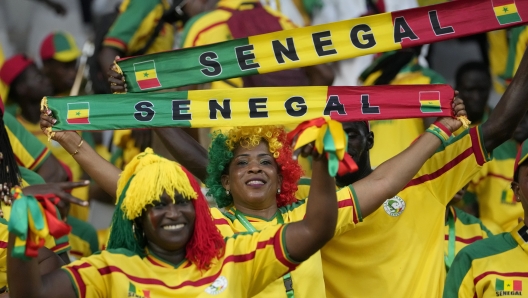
[241, 162]
[182, 202]
[266, 162]
[158, 204]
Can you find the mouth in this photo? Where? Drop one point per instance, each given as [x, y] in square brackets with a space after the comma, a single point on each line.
[255, 182]
[175, 227]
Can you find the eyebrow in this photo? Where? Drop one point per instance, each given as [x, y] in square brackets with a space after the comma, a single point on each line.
[247, 155]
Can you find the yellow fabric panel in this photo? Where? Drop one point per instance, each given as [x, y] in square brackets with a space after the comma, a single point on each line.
[465, 234]
[498, 55]
[233, 278]
[520, 48]
[397, 249]
[4, 89]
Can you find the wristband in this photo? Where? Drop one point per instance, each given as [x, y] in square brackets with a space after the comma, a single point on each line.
[439, 130]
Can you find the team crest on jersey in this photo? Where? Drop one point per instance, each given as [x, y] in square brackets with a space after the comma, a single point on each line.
[217, 287]
[137, 292]
[508, 287]
[394, 206]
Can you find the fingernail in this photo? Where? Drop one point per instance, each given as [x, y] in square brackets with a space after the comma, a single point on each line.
[84, 203]
[48, 112]
[86, 182]
[54, 121]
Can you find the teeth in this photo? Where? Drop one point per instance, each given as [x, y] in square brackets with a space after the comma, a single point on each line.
[173, 227]
[255, 182]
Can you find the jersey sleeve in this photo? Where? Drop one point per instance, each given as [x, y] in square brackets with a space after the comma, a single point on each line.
[348, 211]
[453, 165]
[131, 22]
[268, 256]
[29, 151]
[459, 282]
[86, 278]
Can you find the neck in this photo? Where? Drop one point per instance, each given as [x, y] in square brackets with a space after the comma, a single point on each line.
[174, 257]
[364, 169]
[31, 112]
[266, 212]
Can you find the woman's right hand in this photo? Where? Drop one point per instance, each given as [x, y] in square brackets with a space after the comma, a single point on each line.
[62, 137]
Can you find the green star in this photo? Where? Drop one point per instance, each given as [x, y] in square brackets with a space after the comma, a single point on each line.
[78, 113]
[145, 74]
[505, 9]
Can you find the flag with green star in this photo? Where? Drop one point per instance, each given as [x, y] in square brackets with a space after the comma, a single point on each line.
[78, 113]
[146, 76]
[506, 11]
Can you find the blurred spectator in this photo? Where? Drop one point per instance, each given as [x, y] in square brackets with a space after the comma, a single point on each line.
[397, 68]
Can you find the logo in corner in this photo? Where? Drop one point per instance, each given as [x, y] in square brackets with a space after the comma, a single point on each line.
[508, 287]
[217, 287]
[394, 206]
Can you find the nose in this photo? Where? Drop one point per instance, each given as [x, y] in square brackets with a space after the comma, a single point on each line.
[254, 167]
[173, 212]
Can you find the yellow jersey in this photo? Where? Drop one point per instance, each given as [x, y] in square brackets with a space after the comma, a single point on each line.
[83, 238]
[251, 261]
[398, 250]
[491, 188]
[307, 279]
[497, 266]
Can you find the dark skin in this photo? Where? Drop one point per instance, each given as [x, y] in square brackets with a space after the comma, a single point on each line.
[61, 74]
[521, 132]
[520, 189]
[474, 88]
[32, 85]
[360, 141]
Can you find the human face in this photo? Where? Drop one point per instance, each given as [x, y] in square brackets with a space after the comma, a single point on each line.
[474, 89]
[35, 85]
[360, 140]
[521, 132]
[61, 74]
[169, 225]
[253, 177]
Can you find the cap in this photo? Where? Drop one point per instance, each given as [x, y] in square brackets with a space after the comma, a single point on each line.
[60, 46]
[522, 156]
[13, 67]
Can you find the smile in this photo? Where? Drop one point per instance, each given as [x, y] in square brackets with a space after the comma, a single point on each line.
[173, 227]
[255, 182]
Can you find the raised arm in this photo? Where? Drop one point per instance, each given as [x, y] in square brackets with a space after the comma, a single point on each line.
[509, 111]
[98, 168]
[392, 176]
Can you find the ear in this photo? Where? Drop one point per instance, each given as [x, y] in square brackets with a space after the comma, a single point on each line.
[516, 190]
[225, 182]
[370, 140]
[280, 180]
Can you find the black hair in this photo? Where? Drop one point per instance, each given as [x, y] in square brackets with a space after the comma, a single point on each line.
[13, 94]
[9, 172]
[471, 66]
[391, 65]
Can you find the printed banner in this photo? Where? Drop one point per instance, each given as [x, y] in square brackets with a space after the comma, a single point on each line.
[248, 106]
[320, 44]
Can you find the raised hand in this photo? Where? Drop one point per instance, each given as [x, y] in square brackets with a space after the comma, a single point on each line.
[459, 110]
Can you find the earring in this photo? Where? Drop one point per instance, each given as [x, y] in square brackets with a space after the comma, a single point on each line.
[278, 191]
[227, 192]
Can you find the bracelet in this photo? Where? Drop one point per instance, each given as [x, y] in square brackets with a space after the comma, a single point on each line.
[78, 147]
[439, 130]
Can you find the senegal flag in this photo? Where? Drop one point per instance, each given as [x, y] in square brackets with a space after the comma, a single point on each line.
[78, 113]
[508, 285]
[430, 102]
[136, 292]
[146, 76]
[506, 11]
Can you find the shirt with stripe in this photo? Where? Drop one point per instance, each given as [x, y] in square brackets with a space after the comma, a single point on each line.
[497, 266]
[65, 158]
[251, 261]
[517, 45]
[468, 229]
[211, 27]
[83, 238]
[29, 151]
[491, 188]
[308, 277]
[402, 255]
[136, 23]
[394, 136]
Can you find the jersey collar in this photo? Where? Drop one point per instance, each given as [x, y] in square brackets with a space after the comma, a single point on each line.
[520, 234]
[158, 261]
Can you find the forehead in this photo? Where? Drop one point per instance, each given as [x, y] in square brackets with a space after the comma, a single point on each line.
[356, 126]
[261, 148]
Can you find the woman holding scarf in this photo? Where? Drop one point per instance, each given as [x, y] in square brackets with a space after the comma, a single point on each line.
[252, 174]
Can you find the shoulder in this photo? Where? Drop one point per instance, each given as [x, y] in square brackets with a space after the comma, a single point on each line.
[139, 5]
[486, 248]
[201, 23]
[80, 227]
[466, 218]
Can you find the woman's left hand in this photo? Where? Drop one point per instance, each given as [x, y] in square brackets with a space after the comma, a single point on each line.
[308, 150]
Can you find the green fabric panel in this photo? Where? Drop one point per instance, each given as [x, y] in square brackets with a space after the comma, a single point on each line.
[189, 67]
[188, 26]
[304, 181]
[147, 65]
[507, 150]
[515, 33]
[481, 249]
[85, 231]
[31, 177]
[123, 110]
[128, 22]
[292, 207]
[469, 219]
[60, 43]
[469, 198]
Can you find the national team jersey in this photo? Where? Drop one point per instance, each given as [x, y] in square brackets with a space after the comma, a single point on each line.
[29, 151]
[498, 209]
[398, 250]
[467, 229]
[66, 158]
[135, 24]
[211, 27]
[251, 261]
[83, 238]
[493, 267]
[517, 46]
[308, 277]
[394, 136]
